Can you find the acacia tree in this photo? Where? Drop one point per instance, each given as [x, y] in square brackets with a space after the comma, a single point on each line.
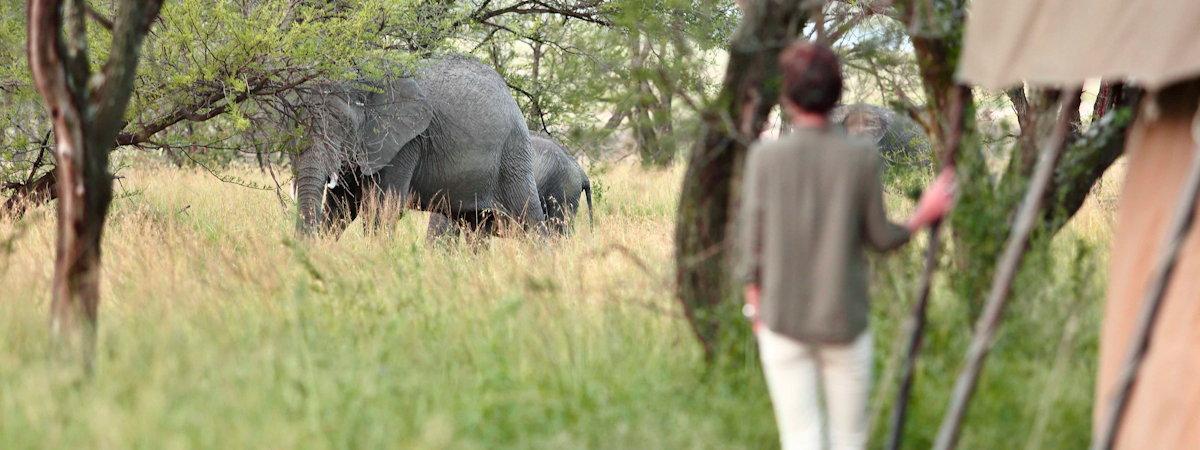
[86, 110]
[228, 63]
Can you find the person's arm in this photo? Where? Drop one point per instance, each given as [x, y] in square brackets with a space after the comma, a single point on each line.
[749, 237]
[879, 232]
[749, 220]
[935, 202]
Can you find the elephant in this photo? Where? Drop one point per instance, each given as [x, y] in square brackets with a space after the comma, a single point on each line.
[560, 182]
[900, 140]
[445, 137]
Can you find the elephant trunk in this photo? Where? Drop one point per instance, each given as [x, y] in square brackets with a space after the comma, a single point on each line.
[311, 175]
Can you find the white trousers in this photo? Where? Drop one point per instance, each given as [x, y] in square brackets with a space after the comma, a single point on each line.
[799, 374]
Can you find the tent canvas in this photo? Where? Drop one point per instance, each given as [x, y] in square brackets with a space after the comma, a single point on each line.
[1063, 42]
[1154, 43]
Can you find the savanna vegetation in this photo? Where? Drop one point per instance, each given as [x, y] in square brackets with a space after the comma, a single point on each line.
[220, 327]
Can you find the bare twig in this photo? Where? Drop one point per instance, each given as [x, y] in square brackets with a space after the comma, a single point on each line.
[586, 11]
[37, 163]
[104, 22]
[278, 187]
[1006, 272]
[224, 178]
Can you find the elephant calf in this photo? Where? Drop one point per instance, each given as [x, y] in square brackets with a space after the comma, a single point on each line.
[560, 182]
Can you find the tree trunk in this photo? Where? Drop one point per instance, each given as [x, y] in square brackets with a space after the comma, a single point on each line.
[937, 59]
[86, 113]
[538, 117]
[644, 135]
[664, 119]
[731, 121]
[1092, 152]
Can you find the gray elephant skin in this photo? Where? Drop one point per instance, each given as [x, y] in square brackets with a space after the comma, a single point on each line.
[446, 137]
[560, 183]
[900, 140]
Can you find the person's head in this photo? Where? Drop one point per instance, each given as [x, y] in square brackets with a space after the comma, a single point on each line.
[812, 77]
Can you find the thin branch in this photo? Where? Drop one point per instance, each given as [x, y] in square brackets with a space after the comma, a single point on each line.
[37, 163]
[1010, 262]
[208, 107]
[223, 178]
[583, 11]
[99, 18]
[536, 104]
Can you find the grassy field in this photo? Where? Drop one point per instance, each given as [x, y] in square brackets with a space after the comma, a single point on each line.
[219, 330]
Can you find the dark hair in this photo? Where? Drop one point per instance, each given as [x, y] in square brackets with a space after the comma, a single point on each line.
[812, 76]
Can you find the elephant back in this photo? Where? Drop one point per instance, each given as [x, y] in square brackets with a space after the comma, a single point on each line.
[467, 93]
[898, 138]
[553, 166]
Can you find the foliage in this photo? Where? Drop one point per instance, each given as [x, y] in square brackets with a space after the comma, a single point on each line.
[22, 126]
[568, 74]
[879, 65]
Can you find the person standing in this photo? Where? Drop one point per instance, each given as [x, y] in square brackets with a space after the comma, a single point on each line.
[812, 202]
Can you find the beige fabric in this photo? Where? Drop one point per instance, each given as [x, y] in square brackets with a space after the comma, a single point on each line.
[1164, 411]
[1059, 42]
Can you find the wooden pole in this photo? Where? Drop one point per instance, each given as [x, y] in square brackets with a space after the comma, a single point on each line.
[1164, 267]
[916, 326]
[1006, 272]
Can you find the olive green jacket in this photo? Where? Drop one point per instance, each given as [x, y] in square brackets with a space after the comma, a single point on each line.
[811, 202]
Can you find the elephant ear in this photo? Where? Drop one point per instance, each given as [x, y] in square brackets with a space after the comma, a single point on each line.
[396, 113]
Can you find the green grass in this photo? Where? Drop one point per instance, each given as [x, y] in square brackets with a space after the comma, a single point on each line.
[218, 330]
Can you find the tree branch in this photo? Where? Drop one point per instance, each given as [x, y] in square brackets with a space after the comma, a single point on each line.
[587, 11]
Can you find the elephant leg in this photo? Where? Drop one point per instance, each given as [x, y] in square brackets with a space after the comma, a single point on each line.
[440, 227]
[389, 193]
[555, 219]
[479, 226]
[482, 224]
[516, 190]
[343, 202]
[476, 226]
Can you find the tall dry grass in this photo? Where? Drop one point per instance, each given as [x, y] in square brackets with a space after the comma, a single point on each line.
[219, 329]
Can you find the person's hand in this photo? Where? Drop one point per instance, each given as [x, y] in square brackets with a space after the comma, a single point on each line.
[750, 310]
[935, 202]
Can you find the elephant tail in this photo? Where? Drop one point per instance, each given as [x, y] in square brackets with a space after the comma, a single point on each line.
[587, 191]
